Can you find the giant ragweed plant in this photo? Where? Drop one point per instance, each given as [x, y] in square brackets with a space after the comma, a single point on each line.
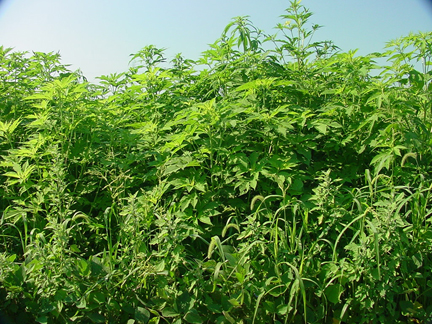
[274, 180]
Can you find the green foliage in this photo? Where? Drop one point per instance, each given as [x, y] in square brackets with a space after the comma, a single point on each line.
[281, 185]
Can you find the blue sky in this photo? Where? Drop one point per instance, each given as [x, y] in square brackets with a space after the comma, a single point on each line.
[98, 36]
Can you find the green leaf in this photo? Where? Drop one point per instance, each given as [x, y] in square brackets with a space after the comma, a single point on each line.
[382, 160]
[321, 127]
[20, 274]
[282, 309]
[240, 277]
[333, 293]
[83, 267]
[296, 186]
[11, 258]
[234, 302]
[42, 319]
[82, 303]
[96, 318]
[169, 312]
[154, 320]
[60, 294]
[417, 259]
[185, 302]
[9, 127]
[205, 220]
[74, 248]
[142, 314]
[193, 317]
[97, 296]
[407, 307]
[160, 267]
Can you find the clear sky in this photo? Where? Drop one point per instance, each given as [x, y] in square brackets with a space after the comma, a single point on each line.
[98, 36]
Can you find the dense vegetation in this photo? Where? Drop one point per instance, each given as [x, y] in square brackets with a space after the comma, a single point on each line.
[274, 180]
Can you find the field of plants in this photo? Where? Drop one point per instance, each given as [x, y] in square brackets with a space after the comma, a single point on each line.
[274, 180]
